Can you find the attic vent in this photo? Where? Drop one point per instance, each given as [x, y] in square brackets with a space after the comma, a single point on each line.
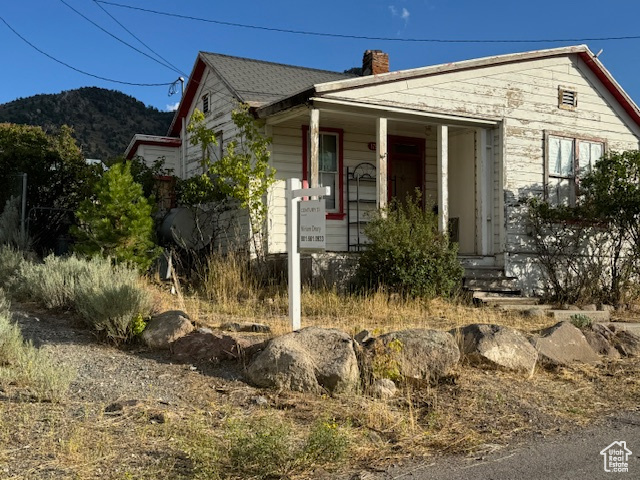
[205, 103]
[567, 98]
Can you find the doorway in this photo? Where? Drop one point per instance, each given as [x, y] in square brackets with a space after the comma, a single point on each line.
[462, 190]
[406, 167]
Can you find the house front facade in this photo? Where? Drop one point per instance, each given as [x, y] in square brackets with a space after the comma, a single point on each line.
[475, 137]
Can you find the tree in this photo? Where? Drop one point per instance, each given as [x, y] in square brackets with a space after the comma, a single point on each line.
[58, 177]
[611, 194]
[591, 251]
[242, 174]
[117, 220]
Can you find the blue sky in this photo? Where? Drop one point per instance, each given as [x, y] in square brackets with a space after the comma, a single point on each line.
[56, 29]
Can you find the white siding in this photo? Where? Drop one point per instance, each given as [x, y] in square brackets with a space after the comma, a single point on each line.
[221, 103]
[170, 156]
[525, 96]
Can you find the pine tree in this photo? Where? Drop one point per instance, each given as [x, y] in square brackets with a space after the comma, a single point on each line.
[117, 221]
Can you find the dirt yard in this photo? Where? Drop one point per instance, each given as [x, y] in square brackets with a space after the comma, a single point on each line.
[133, 414]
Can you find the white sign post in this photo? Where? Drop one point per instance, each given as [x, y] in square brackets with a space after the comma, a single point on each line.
[294, 192]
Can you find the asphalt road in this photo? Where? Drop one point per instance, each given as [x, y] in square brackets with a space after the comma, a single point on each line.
[570, 456]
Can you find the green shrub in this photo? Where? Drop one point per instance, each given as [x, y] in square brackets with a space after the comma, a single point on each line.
[24, 366]
[408, 255]
[580, 320]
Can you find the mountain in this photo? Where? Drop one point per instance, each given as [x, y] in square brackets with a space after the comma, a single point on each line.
[103, 120]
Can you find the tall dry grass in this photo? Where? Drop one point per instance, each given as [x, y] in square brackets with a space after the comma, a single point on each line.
[229, 289]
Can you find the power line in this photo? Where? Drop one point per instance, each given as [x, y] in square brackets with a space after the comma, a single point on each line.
[120, 40]
[139, 40]
[363, 37]
[77, 69]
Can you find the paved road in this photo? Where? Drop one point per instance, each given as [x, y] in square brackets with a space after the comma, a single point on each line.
[571, 456]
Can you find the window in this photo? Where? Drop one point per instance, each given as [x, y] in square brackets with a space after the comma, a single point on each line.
[567, 98]
[330, 162]
[205, 103]
[567, 160]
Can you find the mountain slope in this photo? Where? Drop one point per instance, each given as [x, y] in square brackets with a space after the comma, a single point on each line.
[103, 120]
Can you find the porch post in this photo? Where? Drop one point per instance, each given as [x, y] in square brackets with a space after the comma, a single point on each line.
[314, 133]
[443, 178]
[381, 162]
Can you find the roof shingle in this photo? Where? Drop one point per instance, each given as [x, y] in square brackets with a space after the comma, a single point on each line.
[257, 82]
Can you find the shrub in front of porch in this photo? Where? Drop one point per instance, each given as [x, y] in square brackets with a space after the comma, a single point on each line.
[408, 255]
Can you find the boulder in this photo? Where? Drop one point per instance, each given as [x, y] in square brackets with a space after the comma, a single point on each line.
[205, 344]
[562, 345]
[383, 388]
[496, 346]
[245, 327]
[534, 312]
[363, 337]
[312, 359]
[600, 338]
[166, 328]
[627, 343]
[417, 354]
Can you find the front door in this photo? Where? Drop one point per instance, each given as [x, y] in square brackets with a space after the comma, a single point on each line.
[406, 166]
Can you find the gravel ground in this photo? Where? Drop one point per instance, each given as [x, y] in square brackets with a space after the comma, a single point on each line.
[107, 374]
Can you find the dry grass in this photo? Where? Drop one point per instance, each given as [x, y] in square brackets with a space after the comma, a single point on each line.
[377, 312]
[471, 411]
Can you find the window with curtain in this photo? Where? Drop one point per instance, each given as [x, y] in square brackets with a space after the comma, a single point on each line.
[569, 159]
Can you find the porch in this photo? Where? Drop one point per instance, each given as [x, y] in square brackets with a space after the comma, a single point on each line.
[370, 154]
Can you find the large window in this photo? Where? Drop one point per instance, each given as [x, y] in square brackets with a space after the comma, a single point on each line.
[330, 163]
[569, 158]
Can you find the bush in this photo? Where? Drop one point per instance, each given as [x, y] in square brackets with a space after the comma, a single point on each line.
[572, 250]
[112, 301]
[408, 255]
[51, 283]
[10, 261]
[23, 365]
[117, 222]
[108, 298]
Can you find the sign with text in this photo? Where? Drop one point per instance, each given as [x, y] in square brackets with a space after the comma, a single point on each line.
[312, 226]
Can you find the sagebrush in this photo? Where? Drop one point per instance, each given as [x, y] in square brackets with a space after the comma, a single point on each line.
[28, 368]
[107, 297]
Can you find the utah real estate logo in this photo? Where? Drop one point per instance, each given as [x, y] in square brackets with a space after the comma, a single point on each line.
[616, 457]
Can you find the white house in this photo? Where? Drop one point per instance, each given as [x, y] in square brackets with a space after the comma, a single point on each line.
[475, 136]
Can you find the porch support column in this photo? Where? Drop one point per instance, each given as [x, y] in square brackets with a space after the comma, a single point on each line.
[381, 162]
[314, 134]
[443, 178]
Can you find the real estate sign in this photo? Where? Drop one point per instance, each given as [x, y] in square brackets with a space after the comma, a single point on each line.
[312, 221]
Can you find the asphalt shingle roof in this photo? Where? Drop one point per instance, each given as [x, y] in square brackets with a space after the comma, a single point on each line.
[257, 82]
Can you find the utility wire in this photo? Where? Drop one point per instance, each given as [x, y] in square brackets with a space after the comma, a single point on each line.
[139, 40]
[77, 69]
[120, 40]
[362, 37]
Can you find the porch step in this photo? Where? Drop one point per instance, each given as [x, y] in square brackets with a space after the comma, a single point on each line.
[489, 279]
[504, 300]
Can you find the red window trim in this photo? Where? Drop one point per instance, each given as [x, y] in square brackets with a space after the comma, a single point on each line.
[340, 214]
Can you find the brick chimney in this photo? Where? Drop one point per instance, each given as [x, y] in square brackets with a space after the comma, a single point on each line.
[375, 62]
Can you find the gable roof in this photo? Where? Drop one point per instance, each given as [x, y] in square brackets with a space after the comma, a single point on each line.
[582, 51]
[254, 82]
[257, 82]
